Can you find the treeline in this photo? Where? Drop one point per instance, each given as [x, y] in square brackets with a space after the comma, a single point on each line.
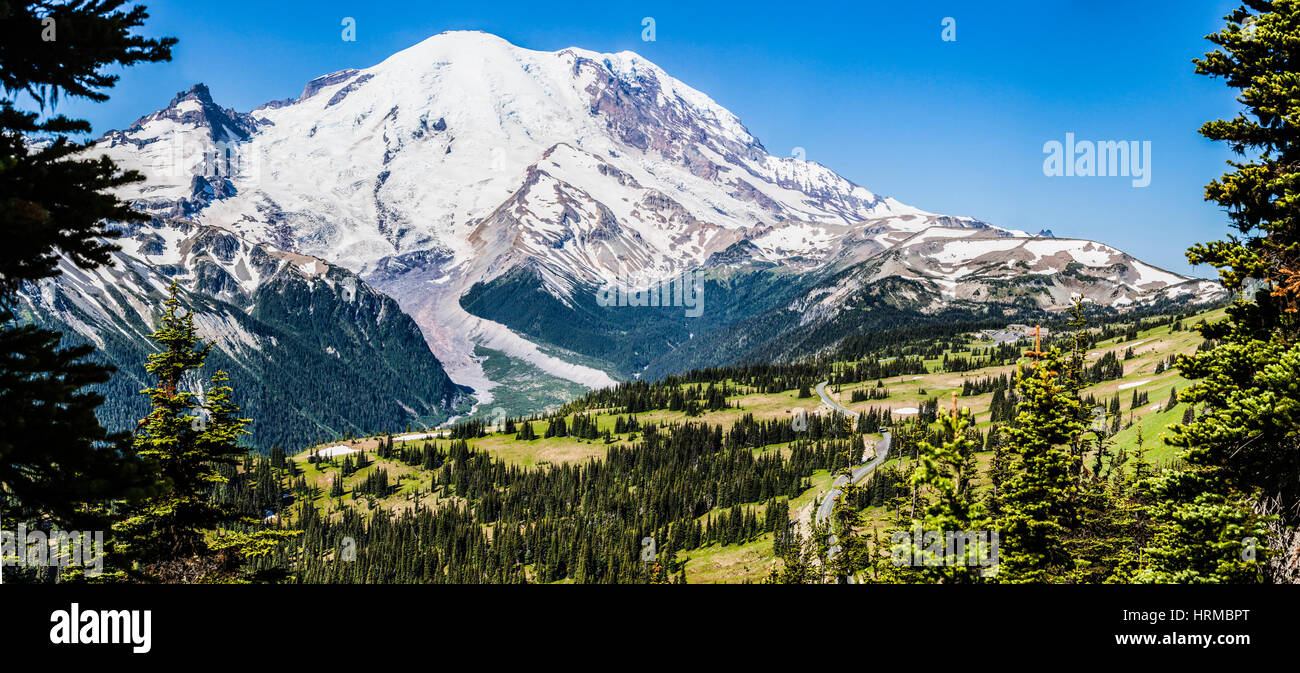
[979, 358]
[877, 369]
[879, 392]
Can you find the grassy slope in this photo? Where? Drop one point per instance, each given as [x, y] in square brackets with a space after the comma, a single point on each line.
[752, 560]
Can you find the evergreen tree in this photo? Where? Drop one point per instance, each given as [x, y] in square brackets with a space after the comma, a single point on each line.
[941, 471]
[1040, 499]
[1000, 470]
[1241, 450]
[55, 458]
[526, 432]
[851, 552]
[1203, 534]
[186, 439]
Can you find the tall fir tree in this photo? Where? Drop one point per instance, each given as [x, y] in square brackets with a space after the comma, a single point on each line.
[1241, 450]
[187, 438]
[55, 459]
[1040, 500]
[850, 545]
[951, 511]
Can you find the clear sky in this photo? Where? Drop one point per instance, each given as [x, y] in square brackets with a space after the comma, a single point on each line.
[868, 88]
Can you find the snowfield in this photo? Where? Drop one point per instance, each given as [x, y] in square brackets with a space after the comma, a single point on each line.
[338, 450]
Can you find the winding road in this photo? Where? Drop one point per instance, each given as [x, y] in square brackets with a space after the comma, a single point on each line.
[859, 473]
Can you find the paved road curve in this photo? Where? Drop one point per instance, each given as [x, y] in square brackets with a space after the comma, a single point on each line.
[859, 473]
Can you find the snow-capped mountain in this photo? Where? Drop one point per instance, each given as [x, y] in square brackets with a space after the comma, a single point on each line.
[465, 164]
[965, 266]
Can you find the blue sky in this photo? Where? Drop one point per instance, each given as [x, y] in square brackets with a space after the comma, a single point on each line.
[868, 89]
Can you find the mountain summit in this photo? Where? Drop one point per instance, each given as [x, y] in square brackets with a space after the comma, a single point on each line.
[466, 162]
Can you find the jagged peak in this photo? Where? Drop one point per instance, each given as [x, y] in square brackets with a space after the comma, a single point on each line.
[198, 92]
[194, 107]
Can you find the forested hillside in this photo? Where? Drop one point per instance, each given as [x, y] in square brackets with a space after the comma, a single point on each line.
[306, 360]
[715, 467]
